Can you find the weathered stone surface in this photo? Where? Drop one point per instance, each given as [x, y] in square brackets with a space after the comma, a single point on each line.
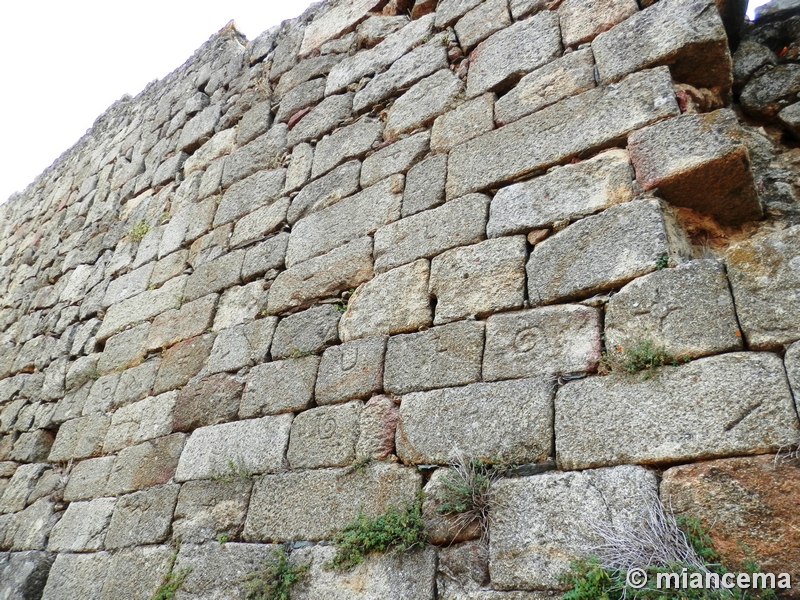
[242, 345]
[19, 488]
[256, 156]
[405, 71]
[396, 301]
[128, 285]
[503, 58]
[603, 251]
[143, 307]
[482, 21]
[744, 504]
[425, 185]
[375, 29]
[199, 129]
[136, 573]
[370, 61]
[544, 522]
[24, 574]
[582, 20]
[88, 479]
[182, 362]
[714, 407]
[471, 119]
[142, 517]
[792, 362]
[395, 158]
[325, 191]
[136, 383]
[254, 122]
[568, 76]
[310, 331]
[206, 509]
[687, 35]
[260, 223]
[210, 401]
[480, 279]
[325, 436]
[333, 23]
[302, 72]
[446, 529]
[688, 310]
[457, 223]
[775, 10]
[265, 256]
[449, 11]
[76, 576]
[30, 528]
[700, 162]
[260, 189]
[240, 304]
[766, 282]
[150, 463]
[279, 386]
[80, 438]
[764, 96]
[421, 104]
[409, 575]
[32, 446]
[377, 428]
[126, 349]
[83, 526]
[321, 119]
[344, 144]
[251, 446]
[507, 421]
[553, 135]
[214, 276]
[306, 94]
[552, 340]
[299, 169]
[352, 370]
[313, 505]
[140, 421]
[190, 320]
[444, 356]
[565, 193]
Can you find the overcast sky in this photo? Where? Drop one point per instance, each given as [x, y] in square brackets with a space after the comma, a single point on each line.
[63, 63]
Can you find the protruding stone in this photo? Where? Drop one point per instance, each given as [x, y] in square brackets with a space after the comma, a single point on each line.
[280, 386]
[552, 340]
[481, 22]
[507, 421]
[714, 407]
[424, 102]
[764, 96]
[334, 22]
[325, 436]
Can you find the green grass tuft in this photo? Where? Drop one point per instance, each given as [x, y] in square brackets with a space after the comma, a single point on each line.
[275, 578]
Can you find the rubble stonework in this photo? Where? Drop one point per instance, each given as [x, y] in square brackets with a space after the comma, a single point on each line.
[292, 281]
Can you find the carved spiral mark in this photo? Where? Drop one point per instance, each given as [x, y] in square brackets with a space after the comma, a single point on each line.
[525, 340]
[349, 358]
[327, 428]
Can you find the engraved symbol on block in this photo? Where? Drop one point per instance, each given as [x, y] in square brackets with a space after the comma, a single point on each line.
[106, 392]
[327, 428]
[525, 340]
[349, 358]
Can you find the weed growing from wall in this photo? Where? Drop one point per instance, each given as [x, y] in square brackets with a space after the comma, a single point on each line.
[139, 230]
[275, 578]
[643, 357]
[172, 581]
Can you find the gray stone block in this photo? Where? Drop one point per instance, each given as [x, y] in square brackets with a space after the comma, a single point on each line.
[321, 119]
[481, 22]
[765, 283]
[352, 370]
[325, 191]
[145, 465]
[198, 130]
[395, 158]
[304, 95]
[136, 383]
[396, 301]
[80, 438]
[22, 483]
[471, 119]
[259, 223]
[687, 310]
[791, 361]
[473, 281]
[142, 517]
[24, 574]
[242, 345]
[33, 446]
[181, 362]
[353, 141]
[565, 193]
[136, 573]
[444, 356]
[302, 72]
[128, 285]
[258, 155]
[251, 446]
[217, 571]
[190, 320]
[604, 251]
[76, 576]
[457, 223]
[325, 436]
[766, 94]
[206, 509]
[507, 421]
[126, 349]
[314, 504]
[141, 421]
[280, 386]
[214, 276]
[377, 28]
[255, 121]
[544, 522]
[718, 406]
[554, 134]
[425, 185]
[582, 20]
[333, 23]
[83, 526]
[240, 304]
[324, 276]
[210, 401]
[699, 162]
[307, 332]
[377, 428]
[449, 11]
[552, 340]
[421, 104]
[687, 35]
[265, 256]
[299, 170]
[88, 479]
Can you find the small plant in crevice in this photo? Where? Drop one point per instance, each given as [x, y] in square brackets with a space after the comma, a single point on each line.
[396, 530]
[643, 357]
[236, 470]
[139, 230]
[172, 581]
[343, 301]
[358, 465]
[275, 578]
[662, 262]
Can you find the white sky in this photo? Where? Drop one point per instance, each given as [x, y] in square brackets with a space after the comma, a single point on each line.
[63, 63]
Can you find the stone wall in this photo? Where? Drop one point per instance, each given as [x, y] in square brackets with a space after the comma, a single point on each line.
[290, 282]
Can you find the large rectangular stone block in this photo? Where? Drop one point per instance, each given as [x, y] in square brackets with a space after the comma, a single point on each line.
[604, 251]
[687, 35]
[718, 406]
[242, 345]
[251, 446]
[582, 20]
[206, 509]
[83, 526]
[345, 221]
[429, 233]
[321, 119]
[145, 465]
[80, 438]
[426, 100]
[215, 275]
[142, 517]
[353, 141]
[265, 257]
[333, 23]
[322, 277]
[140, 421]
[258, 155]
[552, 340]
[352, 370]
[325, 191]
[306, 332]
[315, 504]
[564, 193]
[542, 523]
[575, 126]
[700, 162]
[279, 386]
[444, 356]
[325, 436]
[210, 401]
[394, 158]
[507, 421]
